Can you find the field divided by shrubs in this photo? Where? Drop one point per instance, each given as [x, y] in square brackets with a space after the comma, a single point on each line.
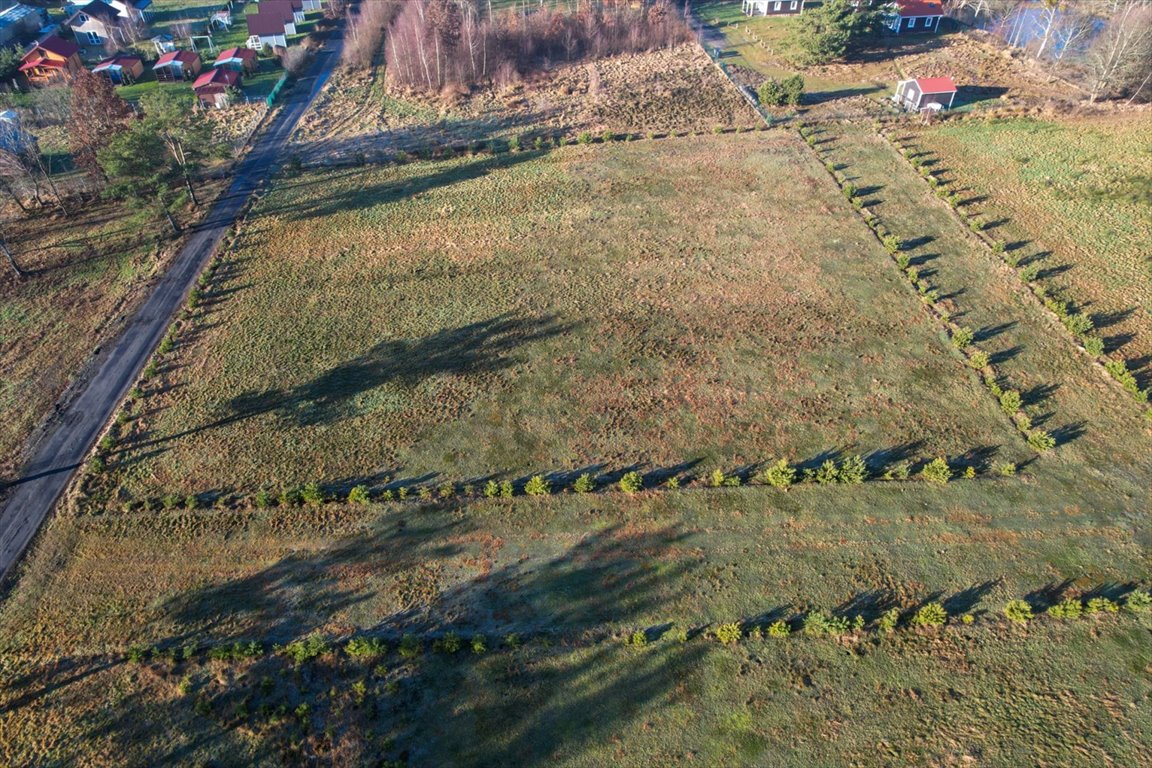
[663, 305]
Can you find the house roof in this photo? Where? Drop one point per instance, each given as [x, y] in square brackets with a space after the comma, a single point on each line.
[97, 9]
[184, 57]
[219, 77]
[119, 60]
[236, 53]
[935, 85]
[919, 7]
[266, 24]
[55, 45]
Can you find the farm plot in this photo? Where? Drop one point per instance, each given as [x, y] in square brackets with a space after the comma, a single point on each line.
[1098, 426]
[664, 92]
[1075, 197]
[709, 301]
[572, 576]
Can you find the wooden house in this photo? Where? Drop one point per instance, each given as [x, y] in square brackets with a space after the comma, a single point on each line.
[51, 61]
[121, 69]
[212, 87]
[933, 93]
[176, 66]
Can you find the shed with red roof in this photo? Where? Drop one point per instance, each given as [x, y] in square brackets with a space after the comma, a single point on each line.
[212, 87]
[925, 93]
[175, 66]
[240, 59]
[121, 69]
[52, 60]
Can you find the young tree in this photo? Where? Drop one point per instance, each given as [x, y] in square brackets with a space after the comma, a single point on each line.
[834, 29]
[98, 116]
[134, 162]
[11, 260]
[186, 135]
[10, 58]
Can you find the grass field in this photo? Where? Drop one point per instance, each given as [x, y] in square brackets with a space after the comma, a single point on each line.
[1074, 195]
[631, 304]
[84, 271]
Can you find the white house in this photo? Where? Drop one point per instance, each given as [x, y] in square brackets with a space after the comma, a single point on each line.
[914, 16]
[772, 7]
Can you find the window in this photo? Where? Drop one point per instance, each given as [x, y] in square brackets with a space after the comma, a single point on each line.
[779, 3]
[911, 23]
[793, 6]
[93, 38]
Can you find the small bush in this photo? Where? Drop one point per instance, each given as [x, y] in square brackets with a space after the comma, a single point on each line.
[1018, 611]
[478, 644]
[632, 482]
[1120, 372]
[903, 260]
[138, 653]
[312, 495]
[892, 244]
[969, 473]
[1010, 401]
[1030, 272]
[771, 93]
[888, 620]
[727, 634]
[1094, 345]
[1006, 469]
[793, 88]
[820, 623]
[584, 484]
[1079, 324]
[262, 499]
[507, 490]
[962, 337]
[1041, 441]
[780, 475]
[1100, 605]
[672, 483]
[1070, 608]
[537, 486]
[449, 643]
[410, 646]
[358, 495]
[637, 639]
[853, 470]
[304, 650]
[1138, 601]
[998, 247]
[191, 502]
[930, 615]
[584, 138]
[978, 359]
[491, 489]
[898, 471]
[827, 473]
[170, 501]
[717, 479]
[937, 471]
[365, 647]
[779, 628]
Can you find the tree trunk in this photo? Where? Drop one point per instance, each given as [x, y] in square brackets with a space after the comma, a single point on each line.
[191, 191]
[11, 260]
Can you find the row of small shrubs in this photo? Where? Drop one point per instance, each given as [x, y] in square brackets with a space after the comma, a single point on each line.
[1076, 321]
[822, 623]
[780, 474]
[814, 623]
[962, 337]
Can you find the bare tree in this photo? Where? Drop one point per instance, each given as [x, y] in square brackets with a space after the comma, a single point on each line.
[1121, 55]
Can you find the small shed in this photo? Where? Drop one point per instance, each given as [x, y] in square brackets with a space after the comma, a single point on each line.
[212, 87]
[914, 16]
[121, 69]
[925, 93]
[772, 7]
[269, 28]
[175, 66]
[242, 60]
[52, 60]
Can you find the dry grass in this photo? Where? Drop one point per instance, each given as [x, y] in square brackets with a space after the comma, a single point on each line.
[647, 303]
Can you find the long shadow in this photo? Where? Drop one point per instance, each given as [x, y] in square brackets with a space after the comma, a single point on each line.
[481, 347]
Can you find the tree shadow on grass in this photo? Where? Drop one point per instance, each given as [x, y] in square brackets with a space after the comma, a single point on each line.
[477, 348]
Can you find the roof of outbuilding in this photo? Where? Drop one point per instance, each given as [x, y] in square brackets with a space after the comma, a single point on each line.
[936, 85]
[184, 57]
[236, 53]
[225, 77]
[119, 60]
[57, 45]
[265, 24]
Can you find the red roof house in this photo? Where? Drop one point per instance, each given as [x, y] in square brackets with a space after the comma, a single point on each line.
[212, 87]
[925, 93]
[52, 60]
[121, 69]
[914, 16]
[240, 59]
[175, 66]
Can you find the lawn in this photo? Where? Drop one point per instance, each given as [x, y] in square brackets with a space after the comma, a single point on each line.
[1100, 427]
[706, 302]
[1076, 196]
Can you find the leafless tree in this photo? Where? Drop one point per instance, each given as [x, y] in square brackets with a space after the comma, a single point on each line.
[1120, 57]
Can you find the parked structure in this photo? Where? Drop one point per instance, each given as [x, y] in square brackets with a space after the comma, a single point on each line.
[914, 16]
[212, 88]
[121, 69]
[933, 93]
[243, 60]
[175, 66]
[19, 23]
[289, 10]
[772, 7]
[51, 61]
